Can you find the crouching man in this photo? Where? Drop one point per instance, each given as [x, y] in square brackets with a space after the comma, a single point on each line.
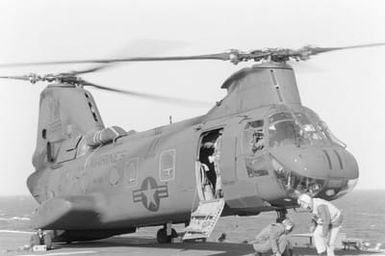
[273, 239]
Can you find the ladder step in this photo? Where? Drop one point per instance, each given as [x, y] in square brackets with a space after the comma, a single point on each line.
[191, 230]
[204, 219]
[201, 215]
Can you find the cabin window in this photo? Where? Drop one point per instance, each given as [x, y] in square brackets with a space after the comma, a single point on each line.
[131, 170]
[167, 165]
[253, 137]
[50, 157]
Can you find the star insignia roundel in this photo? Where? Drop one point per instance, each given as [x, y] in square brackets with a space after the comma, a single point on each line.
[150, 194]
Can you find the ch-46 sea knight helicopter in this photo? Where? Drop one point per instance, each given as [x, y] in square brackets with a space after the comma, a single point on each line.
[253, 151]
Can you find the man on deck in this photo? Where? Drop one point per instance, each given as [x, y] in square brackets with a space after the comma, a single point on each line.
[273, 239]
[328, 220]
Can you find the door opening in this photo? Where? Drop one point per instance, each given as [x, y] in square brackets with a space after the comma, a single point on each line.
[208, 170]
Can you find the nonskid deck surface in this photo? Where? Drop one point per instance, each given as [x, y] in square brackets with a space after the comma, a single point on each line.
[12, 243]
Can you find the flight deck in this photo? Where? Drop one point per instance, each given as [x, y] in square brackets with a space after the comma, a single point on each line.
[14, 243]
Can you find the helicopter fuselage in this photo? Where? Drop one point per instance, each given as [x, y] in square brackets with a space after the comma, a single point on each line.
[266, 149]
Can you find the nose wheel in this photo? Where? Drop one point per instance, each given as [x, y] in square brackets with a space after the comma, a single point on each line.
[41, 238]
[281, 214]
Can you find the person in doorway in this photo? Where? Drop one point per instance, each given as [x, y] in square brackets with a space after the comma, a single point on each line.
[256, 141]
[215, 159]
[207, 188]
[206, 151]
[273, 239]
[328, 219]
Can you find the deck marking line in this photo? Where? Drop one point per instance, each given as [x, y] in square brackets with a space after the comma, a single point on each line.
[61, 253]
[15, 231]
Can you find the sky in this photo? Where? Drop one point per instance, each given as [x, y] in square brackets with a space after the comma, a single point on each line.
[346, 89]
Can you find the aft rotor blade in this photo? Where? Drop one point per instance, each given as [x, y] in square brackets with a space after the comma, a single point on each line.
[150, 96]
[33, 78]
[89, 70]
[218, 56]
[24, 78]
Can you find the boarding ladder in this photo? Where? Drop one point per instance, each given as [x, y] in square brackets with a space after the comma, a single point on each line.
[204, 219]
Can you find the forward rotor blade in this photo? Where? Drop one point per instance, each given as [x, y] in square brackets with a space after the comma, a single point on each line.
[317, 50]
[150, 96]
[234, 56]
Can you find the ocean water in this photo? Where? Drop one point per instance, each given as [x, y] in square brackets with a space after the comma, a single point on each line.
[364, 218]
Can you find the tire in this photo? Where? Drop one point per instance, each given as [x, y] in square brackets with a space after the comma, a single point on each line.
[47, 241]
[161, 236]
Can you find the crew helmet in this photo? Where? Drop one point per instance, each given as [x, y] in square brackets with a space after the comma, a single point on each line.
[289, 225]
[305, 201]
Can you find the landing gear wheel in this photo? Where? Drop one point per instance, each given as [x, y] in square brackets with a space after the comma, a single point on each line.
[163, 238]
[281, 215]
[47, 240]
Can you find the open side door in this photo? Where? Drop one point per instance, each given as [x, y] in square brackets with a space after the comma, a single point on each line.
[208, 175]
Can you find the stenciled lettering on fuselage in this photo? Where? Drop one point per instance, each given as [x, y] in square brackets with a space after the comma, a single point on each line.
[150, 194]
[109, 159]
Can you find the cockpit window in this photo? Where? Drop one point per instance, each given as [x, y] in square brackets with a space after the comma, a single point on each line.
[309, 134]
[283, 132]
[298, 128]
[254, 124]
[324, 129]
[253, 137]
[295, 129]
[280, 116]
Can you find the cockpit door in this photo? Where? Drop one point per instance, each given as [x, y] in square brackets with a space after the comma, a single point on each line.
[228, 159]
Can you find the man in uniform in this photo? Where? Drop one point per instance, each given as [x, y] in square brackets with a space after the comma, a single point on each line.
[328, 221]
[273, 239]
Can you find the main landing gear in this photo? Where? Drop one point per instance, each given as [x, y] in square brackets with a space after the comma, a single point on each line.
[41, 238]
[166, 234]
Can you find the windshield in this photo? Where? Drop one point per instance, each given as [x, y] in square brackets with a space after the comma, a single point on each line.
[309, 134]
[294, 129]
[283, 132]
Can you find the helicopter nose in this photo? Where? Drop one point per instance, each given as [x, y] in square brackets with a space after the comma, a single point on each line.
[319, 163]
[328, 172]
